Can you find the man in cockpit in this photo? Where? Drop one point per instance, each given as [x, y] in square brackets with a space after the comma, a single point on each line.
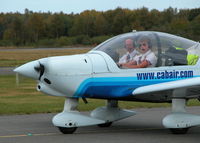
[146, 58]
[131, 52]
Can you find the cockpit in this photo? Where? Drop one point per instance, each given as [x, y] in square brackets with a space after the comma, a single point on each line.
[170, 50]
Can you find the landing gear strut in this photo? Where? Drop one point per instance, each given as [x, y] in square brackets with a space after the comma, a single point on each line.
[68, 120]
[110, 113]
[179, 121]
[110, 104]
[69, 106]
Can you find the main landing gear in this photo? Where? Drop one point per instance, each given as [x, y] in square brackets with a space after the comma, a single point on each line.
[65, 130]
[108, 124]
[179, 121]
[179, 130]
[70, 119]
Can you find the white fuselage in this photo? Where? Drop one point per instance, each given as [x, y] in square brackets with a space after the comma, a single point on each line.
[96, 75]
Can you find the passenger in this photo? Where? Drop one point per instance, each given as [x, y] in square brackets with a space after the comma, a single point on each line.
[146, 58]
[131, 52]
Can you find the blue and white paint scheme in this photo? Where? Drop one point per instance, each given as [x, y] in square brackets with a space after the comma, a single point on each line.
[175, 78]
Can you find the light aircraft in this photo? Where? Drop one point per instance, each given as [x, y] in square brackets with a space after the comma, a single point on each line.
[175, 78]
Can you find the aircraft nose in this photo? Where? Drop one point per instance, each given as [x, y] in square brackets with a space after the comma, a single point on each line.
[28, 70]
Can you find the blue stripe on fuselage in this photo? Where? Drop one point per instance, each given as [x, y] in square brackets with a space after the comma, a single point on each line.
[111, 87]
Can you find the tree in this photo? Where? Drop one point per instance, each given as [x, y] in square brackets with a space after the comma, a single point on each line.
[119, 21]
[179, 26]
[100, 24]
[58, 25]
[193, 13]
[35, 27]
[84, 24]
[14, 30]
[2, 25]
[32, 28]
[195, 27]
[168, 15]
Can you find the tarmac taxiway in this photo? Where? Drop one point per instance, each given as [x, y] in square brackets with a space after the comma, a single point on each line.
[144, 127]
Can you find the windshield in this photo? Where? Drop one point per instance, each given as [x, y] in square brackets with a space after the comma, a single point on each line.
[159, 47]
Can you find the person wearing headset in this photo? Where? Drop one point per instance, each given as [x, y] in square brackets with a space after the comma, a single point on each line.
[146, 58]
[131, 52]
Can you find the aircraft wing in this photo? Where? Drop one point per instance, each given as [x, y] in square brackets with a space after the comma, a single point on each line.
[167, 86]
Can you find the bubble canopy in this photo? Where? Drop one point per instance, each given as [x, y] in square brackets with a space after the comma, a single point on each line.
[162, 44]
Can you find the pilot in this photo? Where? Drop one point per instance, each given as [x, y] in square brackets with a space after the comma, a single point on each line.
[131, 52]
[146, 58]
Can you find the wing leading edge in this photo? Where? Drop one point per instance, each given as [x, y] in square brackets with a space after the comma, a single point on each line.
[167, 86]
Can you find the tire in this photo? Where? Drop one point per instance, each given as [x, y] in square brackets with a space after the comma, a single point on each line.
[67, 130]
[108, 124]
[179, 130]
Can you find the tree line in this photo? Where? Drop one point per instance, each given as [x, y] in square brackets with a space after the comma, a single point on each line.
[92, 27]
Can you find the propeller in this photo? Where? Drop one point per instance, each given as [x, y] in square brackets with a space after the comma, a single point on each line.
[40, 69]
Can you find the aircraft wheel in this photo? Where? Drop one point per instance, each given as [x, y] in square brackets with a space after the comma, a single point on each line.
[67, 130]
[179, 130]
[108, 124]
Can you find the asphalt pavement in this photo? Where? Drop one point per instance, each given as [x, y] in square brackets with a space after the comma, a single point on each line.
[145, 127]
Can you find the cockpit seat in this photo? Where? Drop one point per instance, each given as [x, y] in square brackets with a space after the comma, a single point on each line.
[175, 57]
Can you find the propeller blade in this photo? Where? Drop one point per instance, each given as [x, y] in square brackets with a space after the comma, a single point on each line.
[40, 69]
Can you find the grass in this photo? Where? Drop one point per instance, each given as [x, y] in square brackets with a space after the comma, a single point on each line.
[24, 99]
[18, 57]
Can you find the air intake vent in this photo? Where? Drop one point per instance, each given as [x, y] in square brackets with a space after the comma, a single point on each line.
[47, 81]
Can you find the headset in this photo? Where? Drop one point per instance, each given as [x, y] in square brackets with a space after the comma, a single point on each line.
[146, 39]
